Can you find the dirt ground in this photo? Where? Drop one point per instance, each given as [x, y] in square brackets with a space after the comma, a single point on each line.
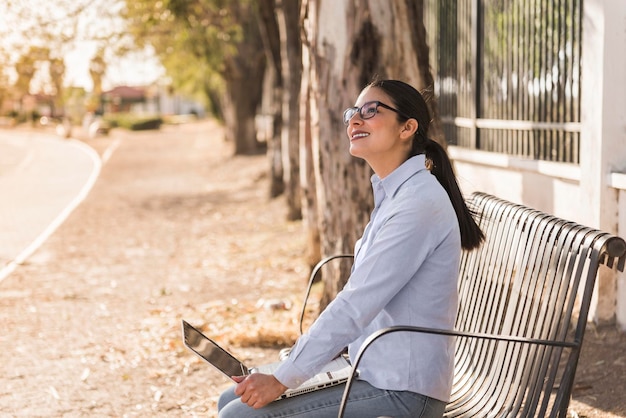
[177, 228]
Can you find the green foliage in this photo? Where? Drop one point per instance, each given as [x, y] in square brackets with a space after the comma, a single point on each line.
[133, 122]
[193, 39]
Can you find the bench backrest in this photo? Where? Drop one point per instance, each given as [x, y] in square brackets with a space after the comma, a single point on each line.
[532, 278]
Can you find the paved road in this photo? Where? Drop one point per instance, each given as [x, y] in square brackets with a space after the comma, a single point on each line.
[42, 179]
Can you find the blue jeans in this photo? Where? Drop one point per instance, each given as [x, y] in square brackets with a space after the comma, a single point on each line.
[365, 401]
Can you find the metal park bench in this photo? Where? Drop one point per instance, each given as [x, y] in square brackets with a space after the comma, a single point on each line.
[524, 300]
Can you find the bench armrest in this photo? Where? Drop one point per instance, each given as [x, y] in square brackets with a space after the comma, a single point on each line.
[312, 278]
[407, 328]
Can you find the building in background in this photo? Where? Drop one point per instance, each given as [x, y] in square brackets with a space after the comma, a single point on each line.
[154, 99]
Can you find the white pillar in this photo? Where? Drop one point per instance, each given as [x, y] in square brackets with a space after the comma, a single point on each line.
[621, 228]
[603, 135]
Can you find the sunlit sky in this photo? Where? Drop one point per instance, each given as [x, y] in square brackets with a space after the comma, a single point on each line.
[136, 68]
[139, 68]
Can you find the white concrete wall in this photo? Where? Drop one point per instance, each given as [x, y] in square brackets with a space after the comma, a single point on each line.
[550, 187]
[618, 182]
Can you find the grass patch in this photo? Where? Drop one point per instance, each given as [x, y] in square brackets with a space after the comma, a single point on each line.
[133, 122]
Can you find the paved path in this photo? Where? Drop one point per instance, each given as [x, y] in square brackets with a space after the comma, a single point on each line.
[42, 179]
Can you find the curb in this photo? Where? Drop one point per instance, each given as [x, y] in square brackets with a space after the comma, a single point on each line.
[6, 270]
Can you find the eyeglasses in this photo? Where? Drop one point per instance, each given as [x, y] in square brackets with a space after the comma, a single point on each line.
[367, 111]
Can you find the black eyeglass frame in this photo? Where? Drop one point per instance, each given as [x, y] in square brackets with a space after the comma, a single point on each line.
[349, 113]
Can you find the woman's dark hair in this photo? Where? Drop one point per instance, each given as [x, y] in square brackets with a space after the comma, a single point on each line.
[410, 104]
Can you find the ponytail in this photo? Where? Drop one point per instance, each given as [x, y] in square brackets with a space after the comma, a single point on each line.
[440, 166]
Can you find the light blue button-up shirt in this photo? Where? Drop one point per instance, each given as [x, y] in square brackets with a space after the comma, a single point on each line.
[405, 273]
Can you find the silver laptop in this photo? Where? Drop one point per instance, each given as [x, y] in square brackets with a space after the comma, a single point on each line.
[334, 373]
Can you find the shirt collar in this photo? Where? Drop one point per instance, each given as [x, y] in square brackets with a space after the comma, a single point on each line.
[406, 170]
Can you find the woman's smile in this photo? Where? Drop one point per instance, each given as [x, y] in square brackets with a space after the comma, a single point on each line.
[356, 135]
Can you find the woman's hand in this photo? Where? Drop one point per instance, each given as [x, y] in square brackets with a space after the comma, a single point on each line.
[258, 389]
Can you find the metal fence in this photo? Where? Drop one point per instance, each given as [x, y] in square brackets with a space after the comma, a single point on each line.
[507, 74]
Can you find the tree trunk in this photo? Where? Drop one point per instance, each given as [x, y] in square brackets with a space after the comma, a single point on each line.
[349, 44]
[271, 109]
[240, 108]
[288, 15]
[310, 214]
[422, 51]
[243, 74]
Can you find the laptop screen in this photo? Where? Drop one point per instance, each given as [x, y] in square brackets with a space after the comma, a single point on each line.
[211, 352]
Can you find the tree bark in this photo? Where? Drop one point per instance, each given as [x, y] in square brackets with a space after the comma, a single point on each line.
[288, 14]
[308, 185]
[243, 74]
[348, 43]
[240, 107]
[271, 109]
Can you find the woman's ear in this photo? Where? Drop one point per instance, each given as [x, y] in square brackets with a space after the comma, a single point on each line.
[409, 128]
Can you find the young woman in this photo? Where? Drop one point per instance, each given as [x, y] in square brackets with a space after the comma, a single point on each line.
[405, 273]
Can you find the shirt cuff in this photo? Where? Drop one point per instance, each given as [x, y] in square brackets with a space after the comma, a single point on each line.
[289, 375]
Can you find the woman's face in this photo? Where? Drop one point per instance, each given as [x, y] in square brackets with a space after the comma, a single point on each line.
[381, 140]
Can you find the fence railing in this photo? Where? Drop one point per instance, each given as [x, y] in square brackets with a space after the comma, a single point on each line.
[507, 75]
